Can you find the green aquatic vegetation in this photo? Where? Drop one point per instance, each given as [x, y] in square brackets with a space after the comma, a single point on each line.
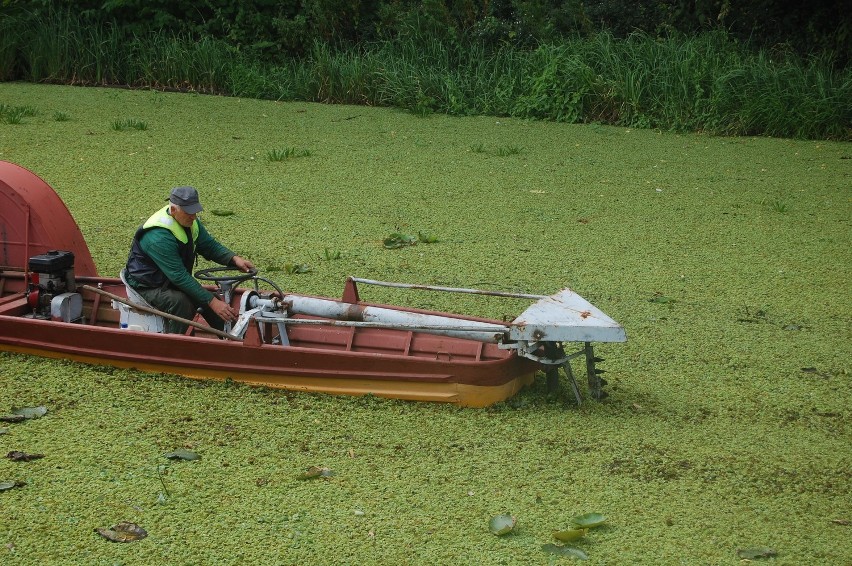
[16, 114]
[13, 117]
[780, 206]
[182, 454]
[129, 124]
[501, 151]
[718, 434]
[398, 240]
[569, 535]
[314, 472]
[559, 550]
[286, 153]
[508, 150]
[124, 531]
[24, 413]
[756, 552]
[588, 520]
[297, 268]
[331, 255]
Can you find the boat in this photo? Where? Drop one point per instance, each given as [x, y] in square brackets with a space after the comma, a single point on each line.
[55, 304]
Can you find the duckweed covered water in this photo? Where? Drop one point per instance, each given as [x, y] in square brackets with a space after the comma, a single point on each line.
[726, 259]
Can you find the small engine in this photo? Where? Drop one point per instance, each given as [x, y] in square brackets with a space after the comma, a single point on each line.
[50, 293]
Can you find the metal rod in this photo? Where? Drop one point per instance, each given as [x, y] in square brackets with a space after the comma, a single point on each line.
[573, 383]
[447, 289]
[401, 326]
[169, 316]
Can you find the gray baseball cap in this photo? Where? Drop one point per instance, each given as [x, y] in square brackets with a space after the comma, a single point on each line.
[187, 199]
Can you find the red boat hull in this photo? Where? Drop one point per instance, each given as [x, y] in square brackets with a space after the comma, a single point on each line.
[377, 361]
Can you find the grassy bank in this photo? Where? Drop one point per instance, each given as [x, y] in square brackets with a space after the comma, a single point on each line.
[726, 259]
[705, 83]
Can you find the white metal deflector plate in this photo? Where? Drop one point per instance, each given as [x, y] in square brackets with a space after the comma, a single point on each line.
[565, 317]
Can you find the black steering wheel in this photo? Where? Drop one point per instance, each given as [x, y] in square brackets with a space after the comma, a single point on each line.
[232, 278]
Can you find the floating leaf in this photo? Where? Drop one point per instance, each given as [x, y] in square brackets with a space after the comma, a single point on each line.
[30, 412]
[397, 240]
[501, 524]
[123, 532]
[569, 535]
[315, 472]
[181, 454]
[588, 520]
[18, 456]
[297, 268]
[220, 212]
[756, 552]
[11, 485]
[564, 551]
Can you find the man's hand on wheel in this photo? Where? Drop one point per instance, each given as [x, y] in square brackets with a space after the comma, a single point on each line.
[242, 264]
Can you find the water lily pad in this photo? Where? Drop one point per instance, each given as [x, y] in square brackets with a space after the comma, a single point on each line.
[181, 454]
[427, 238]
[565, 551]
[315, 472]
[588, 520]
[123, 532]
[756, 552]
[18, 456]
[397, 240]
[569, 535]
[6, 485]
[501, 524]
[30, 412]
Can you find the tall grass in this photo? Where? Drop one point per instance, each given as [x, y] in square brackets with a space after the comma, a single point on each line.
[169, 62]
[785, 98]
[706, 82]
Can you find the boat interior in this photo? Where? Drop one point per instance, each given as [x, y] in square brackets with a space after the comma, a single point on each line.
[99, 311]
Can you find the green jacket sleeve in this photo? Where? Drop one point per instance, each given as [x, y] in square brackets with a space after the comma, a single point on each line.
[162, 247]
